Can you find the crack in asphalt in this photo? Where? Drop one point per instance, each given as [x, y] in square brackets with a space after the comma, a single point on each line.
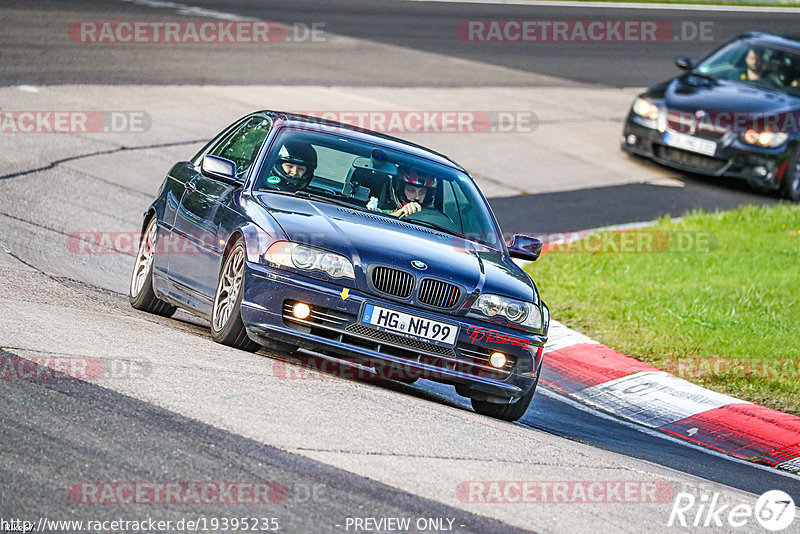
[55, 163]
[438, 457]
[74, 235]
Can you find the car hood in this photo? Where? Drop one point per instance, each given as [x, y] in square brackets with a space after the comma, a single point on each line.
[692, 92]
[369, 238]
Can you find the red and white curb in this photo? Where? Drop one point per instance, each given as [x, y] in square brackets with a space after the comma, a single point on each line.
[602, 377]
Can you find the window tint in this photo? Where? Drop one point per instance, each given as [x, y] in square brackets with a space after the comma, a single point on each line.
[241, 147]
[366, 176]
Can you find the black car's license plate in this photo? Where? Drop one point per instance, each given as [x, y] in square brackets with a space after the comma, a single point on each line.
[410, 326]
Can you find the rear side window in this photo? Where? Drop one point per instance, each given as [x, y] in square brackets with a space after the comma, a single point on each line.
[242, 146]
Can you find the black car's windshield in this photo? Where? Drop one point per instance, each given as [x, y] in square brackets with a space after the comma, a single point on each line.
[752, 63]
[323, 165]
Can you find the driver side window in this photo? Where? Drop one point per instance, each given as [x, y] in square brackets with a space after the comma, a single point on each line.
[242, 146]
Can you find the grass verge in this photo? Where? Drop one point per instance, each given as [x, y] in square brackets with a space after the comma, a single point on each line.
[713, 298]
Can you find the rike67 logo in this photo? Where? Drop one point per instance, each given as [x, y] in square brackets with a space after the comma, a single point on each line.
[774, 511]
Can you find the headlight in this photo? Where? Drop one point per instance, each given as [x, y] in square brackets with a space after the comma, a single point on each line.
[645, 108]
[516, 311]
[308, 258]
[766, 139]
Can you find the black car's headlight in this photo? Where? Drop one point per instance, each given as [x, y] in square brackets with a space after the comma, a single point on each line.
[517, 312]
[645, 108]
[308, 258]
[765, 139]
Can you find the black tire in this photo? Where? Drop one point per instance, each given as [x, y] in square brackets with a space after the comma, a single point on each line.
[140, 292]
[226, 318]
[507, 412]
[790, 187]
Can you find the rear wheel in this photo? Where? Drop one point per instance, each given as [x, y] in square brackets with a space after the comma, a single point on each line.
[790, 188]
[141, 294]
[226, 319]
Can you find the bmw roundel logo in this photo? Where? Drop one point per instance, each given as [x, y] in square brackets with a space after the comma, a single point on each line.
[419, 265]
[699, 114]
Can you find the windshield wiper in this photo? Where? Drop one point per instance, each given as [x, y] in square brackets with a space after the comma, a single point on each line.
[434, 226]
[331, 200]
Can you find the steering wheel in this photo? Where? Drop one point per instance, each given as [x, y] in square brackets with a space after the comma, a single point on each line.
[433, 216]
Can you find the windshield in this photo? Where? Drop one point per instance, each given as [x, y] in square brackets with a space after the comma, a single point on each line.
[375, 178]
[752, 63]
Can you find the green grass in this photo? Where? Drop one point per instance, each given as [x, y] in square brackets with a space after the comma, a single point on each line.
[724, 312]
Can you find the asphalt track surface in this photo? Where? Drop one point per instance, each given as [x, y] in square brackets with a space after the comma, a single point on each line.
[416, 25]
[56, 432]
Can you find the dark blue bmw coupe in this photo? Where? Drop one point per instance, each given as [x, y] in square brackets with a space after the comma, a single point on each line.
[314, 237]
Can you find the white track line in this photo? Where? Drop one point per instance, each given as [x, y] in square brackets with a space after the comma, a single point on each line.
[547, 392]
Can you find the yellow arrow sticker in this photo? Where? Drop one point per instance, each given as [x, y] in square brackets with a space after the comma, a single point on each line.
[345, 293]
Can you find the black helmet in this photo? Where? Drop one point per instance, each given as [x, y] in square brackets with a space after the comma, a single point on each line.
[410, 176]
[298, 153]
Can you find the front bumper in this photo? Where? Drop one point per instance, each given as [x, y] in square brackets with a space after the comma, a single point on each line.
[333, 329]
[762, 167]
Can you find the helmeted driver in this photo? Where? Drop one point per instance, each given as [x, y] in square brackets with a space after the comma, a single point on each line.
[412, 190]
[294, 167]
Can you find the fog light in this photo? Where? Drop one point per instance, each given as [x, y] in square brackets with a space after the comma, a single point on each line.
[631, 140]
[498, 359]
[301, 310]
[760, 171]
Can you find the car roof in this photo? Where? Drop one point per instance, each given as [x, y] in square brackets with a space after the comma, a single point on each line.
[779, 39]
[362, 134]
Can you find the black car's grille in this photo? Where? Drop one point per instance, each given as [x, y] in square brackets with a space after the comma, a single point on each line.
[393, 282]
[343, 327]
[388, 337]
[438, 293]
[693, 161]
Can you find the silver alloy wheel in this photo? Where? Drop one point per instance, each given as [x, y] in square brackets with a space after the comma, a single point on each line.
[230, 283]
[144, 259]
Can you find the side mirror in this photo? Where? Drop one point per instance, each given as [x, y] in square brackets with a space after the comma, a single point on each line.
[220, 169]
[683, 63]
[525, 247]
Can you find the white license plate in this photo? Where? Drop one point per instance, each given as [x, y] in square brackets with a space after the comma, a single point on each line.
[690, 143]
[410, 326]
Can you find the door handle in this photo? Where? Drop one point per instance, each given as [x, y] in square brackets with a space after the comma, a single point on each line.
[190, 186]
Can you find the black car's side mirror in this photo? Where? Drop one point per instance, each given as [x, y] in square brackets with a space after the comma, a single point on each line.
[683, 63]
[220, 169]
[525, 247]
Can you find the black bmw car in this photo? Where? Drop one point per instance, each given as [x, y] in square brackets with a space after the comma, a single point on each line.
[315, 237]
[734, 113]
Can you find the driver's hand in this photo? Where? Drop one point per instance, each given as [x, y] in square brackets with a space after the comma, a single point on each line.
[408, 209]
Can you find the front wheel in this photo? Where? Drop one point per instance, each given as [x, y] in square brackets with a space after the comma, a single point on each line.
[506, 412]
[790, 188]
[141, 294]
[226, 319]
